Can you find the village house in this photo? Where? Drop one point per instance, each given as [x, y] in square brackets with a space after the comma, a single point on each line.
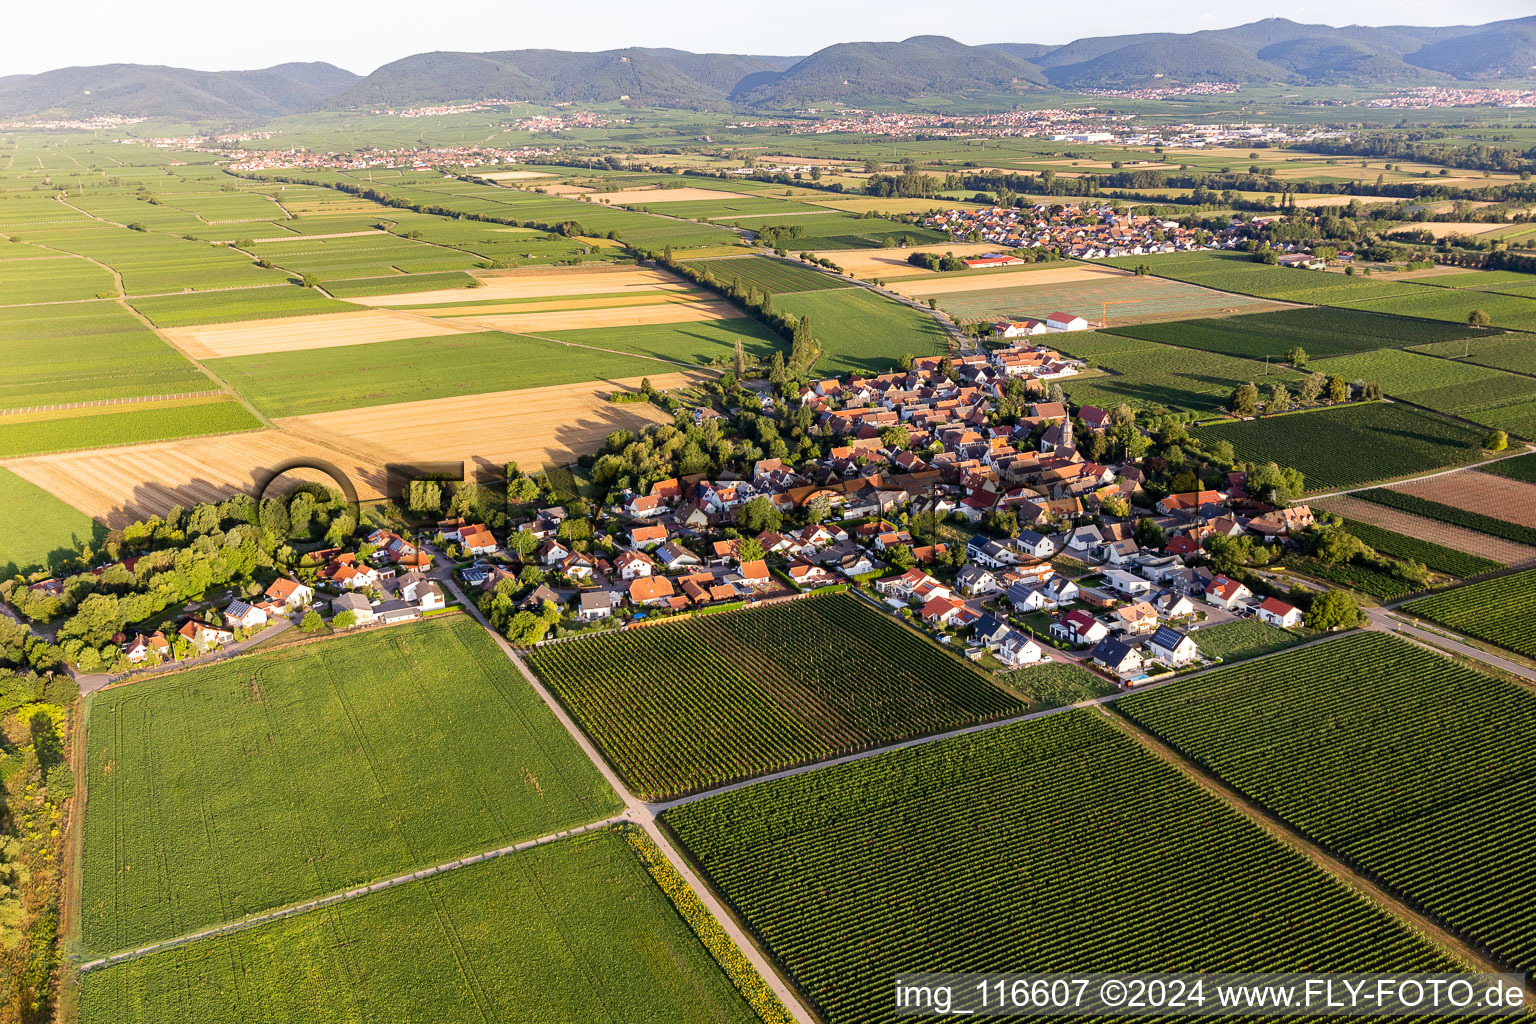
[1278, 613]
[357, 604]
[941, 610]
[1228, 594]
[203, 635]
[650, 591]
[144, 646]
[594, 605]
[1078, 627]
[1037, 545]
[1018, 649]
[1172, 648]
[289, 594]
[240, 615]
[674, 556]
[633, 564]
[1137, 617]
[1117, 658]
[425, 593]
[647, 536]
[399, 550]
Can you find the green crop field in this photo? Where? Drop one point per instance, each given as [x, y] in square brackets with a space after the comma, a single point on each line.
[1460, 389]
[352, 376]
[1235, 272]
[240, 304]
[363, 256]
[278, 777]
[861, 332]
[1497, 610]
[986, 849]
[1320, 331]
[838, 230]
[46, 276]
[1245, 638]
[84, 351]
[1148, 375]
[572, 931]
[1516, 352]
[1434, 556]
[698, 342]
[1455, 305]
[399, 283]
[37, 529]
[774, 275]
[1425, 780]
[1440, 512]
[152, 422]
[681, 707]
[1350, 445]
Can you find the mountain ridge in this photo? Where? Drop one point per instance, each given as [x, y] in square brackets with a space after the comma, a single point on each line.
[1273, 50]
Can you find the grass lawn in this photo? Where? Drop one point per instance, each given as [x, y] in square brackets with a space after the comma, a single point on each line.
[353, 376]
[861, 332]
[274, 778]
[572, 931]
[36, 527]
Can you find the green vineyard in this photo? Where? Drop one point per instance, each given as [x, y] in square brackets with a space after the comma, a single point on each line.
[686, 706]
[1052, 845]
[1435, 556]
[1497, 610]
[1412, 767]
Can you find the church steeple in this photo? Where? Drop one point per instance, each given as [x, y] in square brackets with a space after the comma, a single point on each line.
[1066, 431]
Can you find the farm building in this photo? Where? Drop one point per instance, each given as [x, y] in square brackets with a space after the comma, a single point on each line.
[1065, 322]
[1278, 613]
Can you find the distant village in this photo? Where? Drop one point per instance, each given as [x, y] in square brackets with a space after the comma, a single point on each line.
[1081, 232]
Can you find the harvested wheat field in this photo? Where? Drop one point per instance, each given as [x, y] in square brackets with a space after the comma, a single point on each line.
[1469, 541]
[122, 484]
[884, 263]
[1009, 278]
[532, 427]
[623, 316]
[657, 298]
[1513, 501]
[648, 195]
[512, 175]
[537, 285]
[299, 333]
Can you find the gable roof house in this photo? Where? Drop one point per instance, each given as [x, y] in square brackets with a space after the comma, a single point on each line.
[1225, 593]
[633, 564]
[1278, 613]
[1137, 617]
[289, 594]
[1078, 627]
[142, 646]
[1172, 647]
[203, 635]
[240, 615]
[1118, 658]
[595, 604]
[650, 590]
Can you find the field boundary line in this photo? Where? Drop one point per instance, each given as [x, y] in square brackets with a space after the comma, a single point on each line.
[93, 403]
[293, 910]
[1334, 865]
[1528, 449]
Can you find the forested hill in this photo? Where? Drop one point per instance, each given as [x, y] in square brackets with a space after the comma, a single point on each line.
[1275, 50]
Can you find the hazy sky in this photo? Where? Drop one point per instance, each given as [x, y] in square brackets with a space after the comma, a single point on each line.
[216, 35]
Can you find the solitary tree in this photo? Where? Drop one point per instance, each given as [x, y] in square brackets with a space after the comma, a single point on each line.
[1333, 610]
[1496, 441]
[1245, 400]
[1296, 356]
[1479, 318]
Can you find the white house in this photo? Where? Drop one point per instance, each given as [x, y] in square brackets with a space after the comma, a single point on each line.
[1079, 627]
[1037, 545]
[595, 604]
[289, 594]
[634, 564]
[1225, 593]
[1278, 613]
[240, 615]
[1018, 649]
[1065, 322]
[1171, 647]
[1127, 583]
